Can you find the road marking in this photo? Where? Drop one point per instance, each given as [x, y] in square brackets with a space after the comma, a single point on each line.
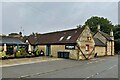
[38, 73]
[24, 76]
[95, 61]
[97, 73]
[88, 77]
[102, 71]
[92, 75]
[112, 67]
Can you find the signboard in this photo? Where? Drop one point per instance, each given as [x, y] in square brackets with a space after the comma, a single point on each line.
[69, 46]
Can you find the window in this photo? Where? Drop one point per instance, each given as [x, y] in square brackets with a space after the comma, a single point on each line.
[61, 38]
[89, 38]
[68, 37]
[87, 48]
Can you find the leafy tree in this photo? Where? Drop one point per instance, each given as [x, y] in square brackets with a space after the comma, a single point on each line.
[116, 30]
[117, 45]
[105, 24]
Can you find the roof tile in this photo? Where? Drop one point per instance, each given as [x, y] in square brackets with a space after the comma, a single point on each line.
[54, 37]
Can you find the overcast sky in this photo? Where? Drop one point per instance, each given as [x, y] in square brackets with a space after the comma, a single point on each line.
[45, 17]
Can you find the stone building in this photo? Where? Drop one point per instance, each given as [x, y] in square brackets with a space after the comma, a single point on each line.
[106, 42]
[74, 43]
[78, 43]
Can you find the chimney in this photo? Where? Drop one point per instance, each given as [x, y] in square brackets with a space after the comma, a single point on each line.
[111, 34]
[98, 27]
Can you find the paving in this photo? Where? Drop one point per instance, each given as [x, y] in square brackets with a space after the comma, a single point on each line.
[21, 61]
[104, 67]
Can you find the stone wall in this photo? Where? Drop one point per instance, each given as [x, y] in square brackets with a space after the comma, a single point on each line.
[42, 47]
[113, 51]
[56, 48]
[61, 48]
[108, 47]
[83, 41]
[100, 50]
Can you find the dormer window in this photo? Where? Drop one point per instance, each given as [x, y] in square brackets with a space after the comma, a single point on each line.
[68, 37]
[61, 38]
[26, 41]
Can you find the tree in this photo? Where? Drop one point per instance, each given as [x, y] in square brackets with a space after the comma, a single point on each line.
[117, 45]
[105, 24]
[116, 30]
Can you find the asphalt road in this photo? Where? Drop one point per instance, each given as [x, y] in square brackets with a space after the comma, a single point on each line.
[104, 67]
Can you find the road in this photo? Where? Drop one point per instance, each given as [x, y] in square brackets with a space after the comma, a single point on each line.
[104, 67]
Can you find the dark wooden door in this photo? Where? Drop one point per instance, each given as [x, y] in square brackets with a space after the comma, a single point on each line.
[48, 50]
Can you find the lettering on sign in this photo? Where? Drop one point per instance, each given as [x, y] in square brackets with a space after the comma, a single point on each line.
[69, 46]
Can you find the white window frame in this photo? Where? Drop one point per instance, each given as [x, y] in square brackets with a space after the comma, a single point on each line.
[69, 37]
[61, 38]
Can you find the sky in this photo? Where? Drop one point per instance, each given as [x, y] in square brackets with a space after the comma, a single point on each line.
[44, 17]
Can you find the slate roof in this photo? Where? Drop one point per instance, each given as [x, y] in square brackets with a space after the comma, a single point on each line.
[32, 39]
[105, 35]
[99, 42]
[54, 37]
[11, 41]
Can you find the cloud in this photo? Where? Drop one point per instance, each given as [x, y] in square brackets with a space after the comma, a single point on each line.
[60, 0]
[52, 16]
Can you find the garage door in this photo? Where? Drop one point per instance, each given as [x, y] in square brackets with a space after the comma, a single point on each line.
[63, 55]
